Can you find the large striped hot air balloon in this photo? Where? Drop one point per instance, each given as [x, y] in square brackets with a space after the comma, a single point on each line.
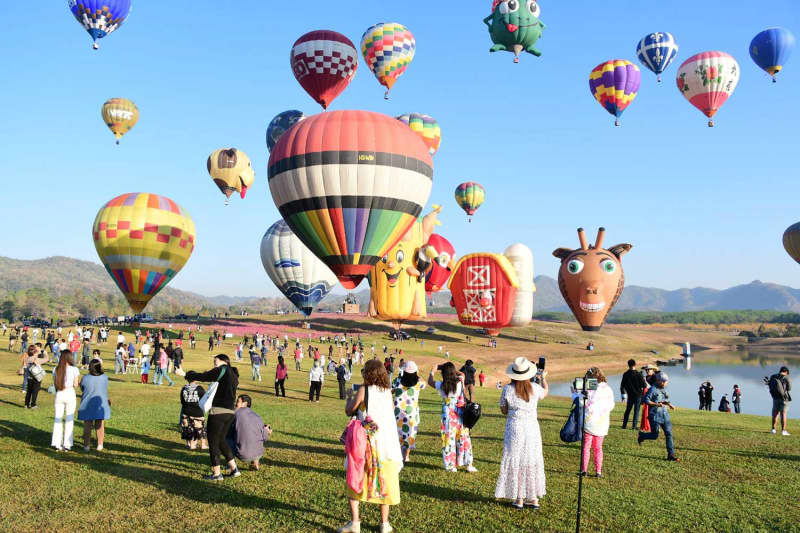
[388, 49]
[143, 240]
[120, 115]
[298, 273]
[469, 196]
[656, 51]
[614, 84]
[324, 62]
[771, 48]
[100, 17]
[350, 184]
[426, 127]
[707, 80]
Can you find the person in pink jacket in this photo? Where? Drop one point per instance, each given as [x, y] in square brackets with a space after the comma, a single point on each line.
[599, 404]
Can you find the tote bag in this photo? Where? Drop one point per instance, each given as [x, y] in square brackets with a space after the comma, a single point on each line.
[571, 432]
[208, 397]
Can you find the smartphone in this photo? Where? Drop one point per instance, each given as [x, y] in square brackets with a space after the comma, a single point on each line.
[540, 366]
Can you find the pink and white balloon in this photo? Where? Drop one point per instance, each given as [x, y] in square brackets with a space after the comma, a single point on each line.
[707, 80]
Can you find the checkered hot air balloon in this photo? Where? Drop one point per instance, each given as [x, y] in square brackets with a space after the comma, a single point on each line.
[707, 80]
[143, 240]
[656, 51]
[614, 84]
[426, 127]
[100, 17]
[388, 48]
[324, 62]
[350, 184]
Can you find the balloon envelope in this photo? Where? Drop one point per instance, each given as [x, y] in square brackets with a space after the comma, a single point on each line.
[120, 115]
[771, 48]
[426, 127]
[281, 123]
[615, 84]
[350, 184]
[656, 51]
[100, 17]
[791, 241]
[294, 269]
[388, 48]
[442, 265]
[324, 62]
[231, 171]
[469, 196]
[143, 240]
[521, 258]
[707, 80]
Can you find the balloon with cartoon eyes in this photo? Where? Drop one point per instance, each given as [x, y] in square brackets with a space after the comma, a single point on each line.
[442, 265]
[514, 26]
[591, 279]
[485, 299]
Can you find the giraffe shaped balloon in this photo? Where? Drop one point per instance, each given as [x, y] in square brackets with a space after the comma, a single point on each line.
[591, 279]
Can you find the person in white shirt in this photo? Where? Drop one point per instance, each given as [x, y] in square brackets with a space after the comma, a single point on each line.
[120, 338]
[65, 378]
[145, 351]
[315, 380]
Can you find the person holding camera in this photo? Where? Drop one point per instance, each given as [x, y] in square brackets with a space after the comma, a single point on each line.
[456, 443]
[599, 404]
[522, 476]
[657, 400]
[780, 389]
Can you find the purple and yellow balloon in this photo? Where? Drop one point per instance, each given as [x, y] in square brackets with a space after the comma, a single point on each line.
[614, 84]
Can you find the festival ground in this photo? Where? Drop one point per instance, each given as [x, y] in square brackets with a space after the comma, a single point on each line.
[147, 480]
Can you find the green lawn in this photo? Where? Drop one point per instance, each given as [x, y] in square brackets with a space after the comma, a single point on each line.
[733, 475]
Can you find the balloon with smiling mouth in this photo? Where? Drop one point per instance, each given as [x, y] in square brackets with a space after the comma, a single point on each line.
[591, 279]
[514, 26]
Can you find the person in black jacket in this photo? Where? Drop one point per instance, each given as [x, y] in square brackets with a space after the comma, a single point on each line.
[469, 378]
[633, 385]
[221, 415]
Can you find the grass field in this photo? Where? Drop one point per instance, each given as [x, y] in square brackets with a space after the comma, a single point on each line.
[733, 475]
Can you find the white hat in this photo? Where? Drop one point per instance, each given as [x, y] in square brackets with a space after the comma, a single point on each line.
[522, 369]
[411, 367]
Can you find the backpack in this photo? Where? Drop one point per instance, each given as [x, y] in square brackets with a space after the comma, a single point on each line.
[573, 427]
[776, 389]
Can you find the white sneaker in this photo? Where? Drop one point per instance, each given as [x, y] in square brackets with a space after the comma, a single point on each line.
[386, 527]
[773, 431]
[451, 469]
[785, 433]
[471, 468]
[351, 527]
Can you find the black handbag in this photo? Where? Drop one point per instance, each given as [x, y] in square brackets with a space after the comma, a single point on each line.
[471, 415]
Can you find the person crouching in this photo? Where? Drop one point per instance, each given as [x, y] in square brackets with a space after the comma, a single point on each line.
[248, 433]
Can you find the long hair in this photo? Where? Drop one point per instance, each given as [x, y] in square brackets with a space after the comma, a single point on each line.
[449, 378]
[375, 374]
[280, 362]
[523, 388]
[61, 369]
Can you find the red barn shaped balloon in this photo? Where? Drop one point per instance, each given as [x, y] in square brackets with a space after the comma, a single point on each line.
[591, 279]
[484, 289]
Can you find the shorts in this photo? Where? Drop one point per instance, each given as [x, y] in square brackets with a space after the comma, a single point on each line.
[779, 405]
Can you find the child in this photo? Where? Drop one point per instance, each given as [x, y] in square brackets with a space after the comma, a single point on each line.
[145, 368]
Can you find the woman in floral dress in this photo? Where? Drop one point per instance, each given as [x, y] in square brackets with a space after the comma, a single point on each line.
[456, 444]
[521, 476]
[405, 391]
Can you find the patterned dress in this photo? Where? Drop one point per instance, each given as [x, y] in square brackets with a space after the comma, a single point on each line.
[406, 412]
[456, 444]
[522, 466]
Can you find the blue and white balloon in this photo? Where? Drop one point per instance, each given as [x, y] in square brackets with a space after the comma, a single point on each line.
[100, 17]
[280, 124]
[656, 51]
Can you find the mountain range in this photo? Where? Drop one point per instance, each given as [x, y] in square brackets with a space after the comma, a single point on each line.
[61, 276]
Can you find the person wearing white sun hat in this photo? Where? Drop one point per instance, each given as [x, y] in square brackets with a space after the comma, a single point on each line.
[522, 478]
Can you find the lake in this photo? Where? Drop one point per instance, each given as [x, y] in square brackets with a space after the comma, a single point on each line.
[723, 369]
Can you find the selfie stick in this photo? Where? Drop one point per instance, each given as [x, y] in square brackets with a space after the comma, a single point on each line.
[581, 474]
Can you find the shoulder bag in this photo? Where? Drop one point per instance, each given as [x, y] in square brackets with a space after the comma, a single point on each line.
[208, 397]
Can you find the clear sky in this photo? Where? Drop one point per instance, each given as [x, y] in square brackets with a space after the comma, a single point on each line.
[702, 207]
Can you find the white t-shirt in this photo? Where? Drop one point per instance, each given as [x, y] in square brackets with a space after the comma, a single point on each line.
[69, 381]
[456, 394]
[120, 338]
[145, 349]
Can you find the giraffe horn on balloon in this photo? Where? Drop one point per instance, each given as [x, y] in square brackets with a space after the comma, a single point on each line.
[591, 279]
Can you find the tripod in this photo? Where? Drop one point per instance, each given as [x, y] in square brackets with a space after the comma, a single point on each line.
[581, 473]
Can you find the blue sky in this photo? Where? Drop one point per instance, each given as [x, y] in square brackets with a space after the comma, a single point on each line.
[702, 207]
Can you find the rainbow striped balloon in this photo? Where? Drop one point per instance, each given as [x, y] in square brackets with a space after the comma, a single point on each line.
[469, 196]
[143, 240]
[615, 84]
[388, 48]
[426, 127]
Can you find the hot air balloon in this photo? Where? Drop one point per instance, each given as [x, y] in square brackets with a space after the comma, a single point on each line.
[521, 258]
[514, 26]
[484, 288]
[771, 48]
[100, 17]
[324, 62]
[469, 196]
[656, 51]
[120, 115]
[298, 274]
[281, 123]
[231, 171]
[443, 263]
[350, 184]
[426, 127]
[791, 241]
[707, 80]
[143, 240]
[388, 49]
[615, 84]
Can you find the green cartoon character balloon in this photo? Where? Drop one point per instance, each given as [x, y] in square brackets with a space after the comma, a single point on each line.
[514, 26]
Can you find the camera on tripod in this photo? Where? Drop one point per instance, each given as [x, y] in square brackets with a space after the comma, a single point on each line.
[584, 384]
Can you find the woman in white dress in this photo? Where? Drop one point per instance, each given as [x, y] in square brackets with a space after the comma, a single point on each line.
[521, 476]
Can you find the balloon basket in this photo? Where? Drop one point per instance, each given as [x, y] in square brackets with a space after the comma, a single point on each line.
[227, 201]
[616, 123]
[516, 60]
[386, 95]
[774, 80]
[659, 79]
[710, 123]
[117, 142]
[96, 46]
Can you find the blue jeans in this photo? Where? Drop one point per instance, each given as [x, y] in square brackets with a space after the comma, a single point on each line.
[633, 403]
[653, 435]
[118, 366]
[256, 372]
[162, 373]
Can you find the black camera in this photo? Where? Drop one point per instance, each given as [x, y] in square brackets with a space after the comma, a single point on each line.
[584, 384]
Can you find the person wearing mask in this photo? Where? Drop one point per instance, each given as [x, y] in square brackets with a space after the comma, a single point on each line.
[281, 375]
[341, 377]
[657, 399]
[66, 377]
[522, 477]
[315, 379]
[780, 389]
[34, 360]
[373, 403]
[95, 407]
[456, 442]
[221, 415]
[737, 399]
[406, 391]
[599, 404]
[193, 428]
[248, 433]
[632, 389]
[469, 378]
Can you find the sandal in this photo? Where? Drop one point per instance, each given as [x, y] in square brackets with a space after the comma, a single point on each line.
[532, 505]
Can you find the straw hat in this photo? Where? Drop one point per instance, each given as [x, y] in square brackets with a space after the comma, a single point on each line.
[650, 367]
[411, 367]
[522, 369]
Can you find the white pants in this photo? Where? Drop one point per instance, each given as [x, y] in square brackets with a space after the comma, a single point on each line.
[65, 408]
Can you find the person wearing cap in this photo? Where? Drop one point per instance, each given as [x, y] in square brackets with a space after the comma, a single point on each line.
[737, 399]
[522, 478]
[779, 388]
[657, 399]
[406, 391]
[649, 378]
[341, 376]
